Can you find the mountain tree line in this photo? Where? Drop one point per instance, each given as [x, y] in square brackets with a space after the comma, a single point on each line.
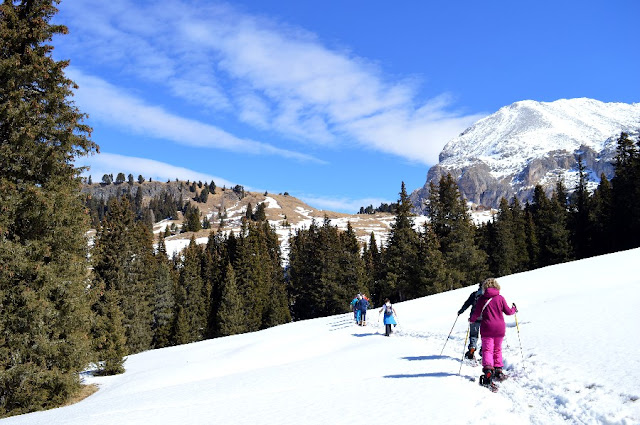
[562, 227]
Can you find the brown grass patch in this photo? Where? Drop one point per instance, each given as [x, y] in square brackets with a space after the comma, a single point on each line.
[85, 391]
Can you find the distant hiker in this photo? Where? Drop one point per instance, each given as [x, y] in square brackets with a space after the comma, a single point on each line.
[474, 327]
[388, 318]
[362, 305]
[489, 309]
[354, 309]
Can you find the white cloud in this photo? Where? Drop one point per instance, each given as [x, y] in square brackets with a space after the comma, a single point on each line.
[109, 163]
[108, 103]
[268, 75]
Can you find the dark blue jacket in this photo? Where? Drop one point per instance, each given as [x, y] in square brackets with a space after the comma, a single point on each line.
[362, 304]
[471, 302]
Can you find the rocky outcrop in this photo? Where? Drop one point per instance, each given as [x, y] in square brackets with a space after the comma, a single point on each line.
[528, 143]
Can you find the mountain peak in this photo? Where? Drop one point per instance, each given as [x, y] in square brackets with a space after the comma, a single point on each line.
[529, 142]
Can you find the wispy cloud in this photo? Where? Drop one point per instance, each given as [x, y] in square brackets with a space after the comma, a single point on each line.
[266, 74]
[109, 163]
[108, 103]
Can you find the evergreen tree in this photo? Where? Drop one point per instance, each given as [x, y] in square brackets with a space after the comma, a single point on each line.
[260, 214]
[191, 296]
[452, 225]
[626, 194]
[433, 276]
[140, 179]
[230, 316]
[579, 220]
[130, 179]
[601, 216]
[401, 255]
[163, 299]
[109, 336]
[204, 195]
[120, 178]
[550, 221]
[44, 319]
[123, 256]
[373, 269]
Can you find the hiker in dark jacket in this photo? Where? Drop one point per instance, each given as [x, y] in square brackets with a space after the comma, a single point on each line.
[474, 327]
[362, 305]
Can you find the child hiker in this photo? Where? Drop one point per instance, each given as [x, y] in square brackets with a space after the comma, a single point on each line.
[388, 319]
[474, 327]
[489, 309]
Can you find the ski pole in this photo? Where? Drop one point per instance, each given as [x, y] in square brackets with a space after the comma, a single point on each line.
[445, 343]
[518, 328]
[463, 348]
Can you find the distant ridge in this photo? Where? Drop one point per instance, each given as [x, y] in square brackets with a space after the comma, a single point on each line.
[528, 143]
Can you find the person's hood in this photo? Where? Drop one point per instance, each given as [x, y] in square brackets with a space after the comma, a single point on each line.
[491, 292]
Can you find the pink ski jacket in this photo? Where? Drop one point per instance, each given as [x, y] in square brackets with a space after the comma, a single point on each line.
[492, 325]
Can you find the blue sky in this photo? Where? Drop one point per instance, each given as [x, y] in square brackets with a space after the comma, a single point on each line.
[335, 102]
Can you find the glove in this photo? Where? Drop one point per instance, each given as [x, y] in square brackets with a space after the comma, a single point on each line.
[460, 312]
[513, 305]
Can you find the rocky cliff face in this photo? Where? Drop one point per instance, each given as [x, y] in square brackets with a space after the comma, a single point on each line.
[527, 143]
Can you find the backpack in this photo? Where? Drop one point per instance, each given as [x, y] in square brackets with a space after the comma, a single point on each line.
[388, 310]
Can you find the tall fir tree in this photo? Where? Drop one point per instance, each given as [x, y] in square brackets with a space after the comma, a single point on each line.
[401, 254]
[626, 194]
[44, 319]
[230, 315]
[601, 215]
[124, 264]
[452, 224]
[579, 217]
[191, 302]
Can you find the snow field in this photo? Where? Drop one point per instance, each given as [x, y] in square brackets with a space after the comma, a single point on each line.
[573, 361]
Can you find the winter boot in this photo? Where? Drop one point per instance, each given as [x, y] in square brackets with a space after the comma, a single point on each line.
[498, 375]
[486, 379]
[470, 354]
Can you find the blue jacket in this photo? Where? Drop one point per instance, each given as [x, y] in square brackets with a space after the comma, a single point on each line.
[362, 304]
[471, 302]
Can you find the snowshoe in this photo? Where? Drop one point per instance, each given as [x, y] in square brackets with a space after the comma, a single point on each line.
[486, 380]
[499, 375]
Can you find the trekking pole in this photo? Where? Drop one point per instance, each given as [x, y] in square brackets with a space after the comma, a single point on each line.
[463, 347]
[445, 343]
[518, 328]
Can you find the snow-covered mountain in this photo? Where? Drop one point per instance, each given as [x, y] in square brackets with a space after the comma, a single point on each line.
[572, 356]
[528, 143]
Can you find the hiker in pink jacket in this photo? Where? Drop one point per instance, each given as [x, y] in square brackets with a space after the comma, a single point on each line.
[490, 307]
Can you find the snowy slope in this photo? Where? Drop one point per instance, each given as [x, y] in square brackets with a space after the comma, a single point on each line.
[579, 364]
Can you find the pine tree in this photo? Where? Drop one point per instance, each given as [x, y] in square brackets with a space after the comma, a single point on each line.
[401, 255]
[191, 298]
[579, 220]
[452, 224]
[123, 256]
[626, 194]
[601, 215]
[44, 319]
[109, 335]
[163, 298]
[230, 316]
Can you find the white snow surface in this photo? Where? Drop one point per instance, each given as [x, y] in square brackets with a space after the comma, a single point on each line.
[573, 359]
[510, 138]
